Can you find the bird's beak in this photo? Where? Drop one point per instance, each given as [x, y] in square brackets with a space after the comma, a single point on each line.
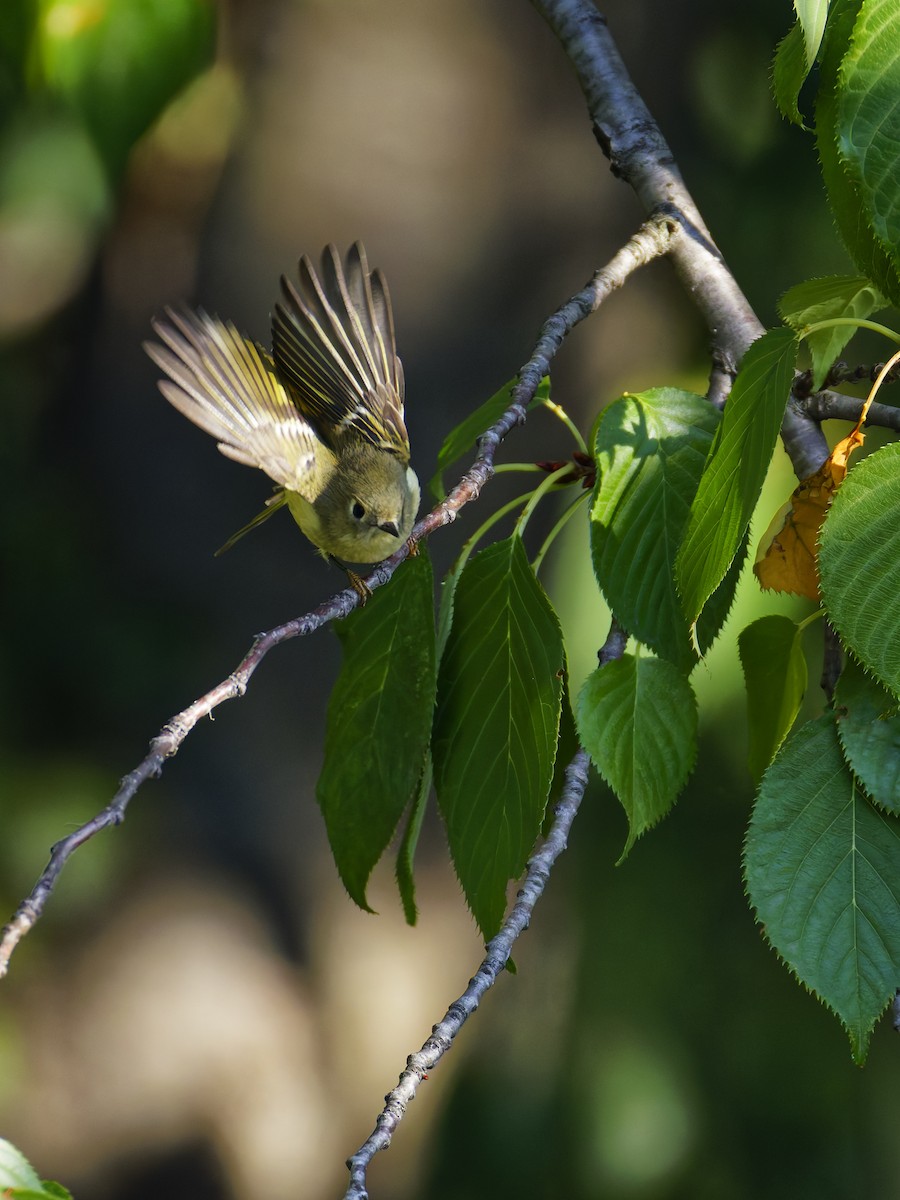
[390, 527]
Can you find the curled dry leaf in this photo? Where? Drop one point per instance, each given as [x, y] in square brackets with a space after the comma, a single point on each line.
[786, 561]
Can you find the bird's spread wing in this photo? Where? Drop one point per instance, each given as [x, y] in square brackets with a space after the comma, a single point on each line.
[228, 386]
[333, 344]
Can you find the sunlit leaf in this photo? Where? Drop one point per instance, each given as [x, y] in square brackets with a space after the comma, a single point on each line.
[496, 723]
[650, 450]
[837, 296]
[379, 720]
[821, 870]
[15, 1169]
[811, 16]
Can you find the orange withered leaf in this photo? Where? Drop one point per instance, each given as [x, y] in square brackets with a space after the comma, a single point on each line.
[786, 560]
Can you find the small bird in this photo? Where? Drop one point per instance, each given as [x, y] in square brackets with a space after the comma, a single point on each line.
[322, 414]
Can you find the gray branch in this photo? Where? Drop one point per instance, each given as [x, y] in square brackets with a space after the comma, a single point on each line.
[639, 154]
[834, 406]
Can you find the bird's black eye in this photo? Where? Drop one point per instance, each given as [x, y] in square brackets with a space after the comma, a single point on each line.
[358, 511]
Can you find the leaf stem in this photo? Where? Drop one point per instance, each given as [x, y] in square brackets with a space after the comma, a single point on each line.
[537, 495]
[856, 322]
[567, 513]
[807, 621]
[559, 411]
[469, 544]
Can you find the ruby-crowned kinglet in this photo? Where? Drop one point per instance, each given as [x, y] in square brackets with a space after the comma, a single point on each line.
[322, 415]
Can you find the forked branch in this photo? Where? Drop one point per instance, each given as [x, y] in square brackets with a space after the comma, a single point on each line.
[655, 238]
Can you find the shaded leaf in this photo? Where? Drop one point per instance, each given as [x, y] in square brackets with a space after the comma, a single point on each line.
[776, 677]
[410, 839]
[824, 300]
[462, 439]
[718, 606]
[403, 868]
[650, 450]
[789, 72]
[637, 718]
[496, 724]
[868, 723]
[859, 564]
[379, 720]
[821, 870]
[735, 469]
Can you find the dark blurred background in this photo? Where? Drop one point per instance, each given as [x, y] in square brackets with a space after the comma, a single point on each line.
[203, 1012]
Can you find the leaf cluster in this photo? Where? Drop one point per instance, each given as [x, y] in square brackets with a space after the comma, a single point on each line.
[479, 705]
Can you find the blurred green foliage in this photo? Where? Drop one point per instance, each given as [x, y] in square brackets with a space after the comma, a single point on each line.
[80, 82]
[117, 63]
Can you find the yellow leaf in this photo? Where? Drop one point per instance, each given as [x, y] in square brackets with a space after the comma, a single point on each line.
[786, 561]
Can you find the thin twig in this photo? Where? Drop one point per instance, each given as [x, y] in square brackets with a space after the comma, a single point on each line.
[834, 406]
[653, 239]
[499, 948]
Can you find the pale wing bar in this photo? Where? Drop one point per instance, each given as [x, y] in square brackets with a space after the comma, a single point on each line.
[225, 384]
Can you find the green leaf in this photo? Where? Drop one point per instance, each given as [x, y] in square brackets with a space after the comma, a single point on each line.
[379, 720]
[868, 118]
[845, 192]
[30, 1194]
[859, 564]
[403, 869]
[650, 450]
[16, 32]
[495, 732]
[811, 16]
[637, 718]
[821, 870]
[775, 673]
[15, 1169]
[462, 439]
[789, 72]
[824, 300]
[868, 723]
[736, 468]
[121, 67]
[718, 606]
